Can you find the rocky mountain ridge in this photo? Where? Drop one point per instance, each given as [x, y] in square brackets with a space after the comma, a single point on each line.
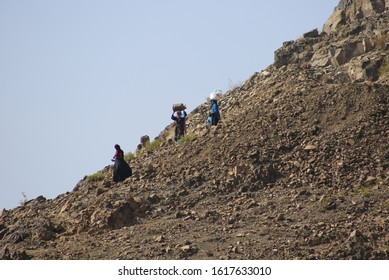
[298, 169]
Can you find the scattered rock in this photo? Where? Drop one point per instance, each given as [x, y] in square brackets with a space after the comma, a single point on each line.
[280, 217]
[159, 238]
[310, 147]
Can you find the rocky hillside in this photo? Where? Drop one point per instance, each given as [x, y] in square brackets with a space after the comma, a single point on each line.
[298, 168]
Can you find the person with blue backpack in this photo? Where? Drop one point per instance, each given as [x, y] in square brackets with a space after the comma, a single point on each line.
[214, 114]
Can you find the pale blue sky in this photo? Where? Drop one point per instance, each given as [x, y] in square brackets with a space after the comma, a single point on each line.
[79, 76]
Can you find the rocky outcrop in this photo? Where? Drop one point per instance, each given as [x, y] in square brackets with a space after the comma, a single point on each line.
[354, 41]
[350, 11]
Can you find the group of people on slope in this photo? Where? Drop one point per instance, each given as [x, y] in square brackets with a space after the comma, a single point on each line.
[121, 169]
[179, 118]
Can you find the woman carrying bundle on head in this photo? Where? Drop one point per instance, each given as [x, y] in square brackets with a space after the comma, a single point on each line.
[180, 127]
[214, 114]
[179, 118]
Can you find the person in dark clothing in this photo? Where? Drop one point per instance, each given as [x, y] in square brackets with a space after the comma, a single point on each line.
[121, 169]
[180, 127]
[214, 115]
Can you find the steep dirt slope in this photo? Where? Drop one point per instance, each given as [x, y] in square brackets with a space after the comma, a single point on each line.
[298, 169]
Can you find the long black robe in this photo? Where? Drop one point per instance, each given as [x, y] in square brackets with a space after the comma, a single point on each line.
[121, 170]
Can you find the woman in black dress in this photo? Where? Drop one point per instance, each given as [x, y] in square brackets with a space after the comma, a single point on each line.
[121, 169]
